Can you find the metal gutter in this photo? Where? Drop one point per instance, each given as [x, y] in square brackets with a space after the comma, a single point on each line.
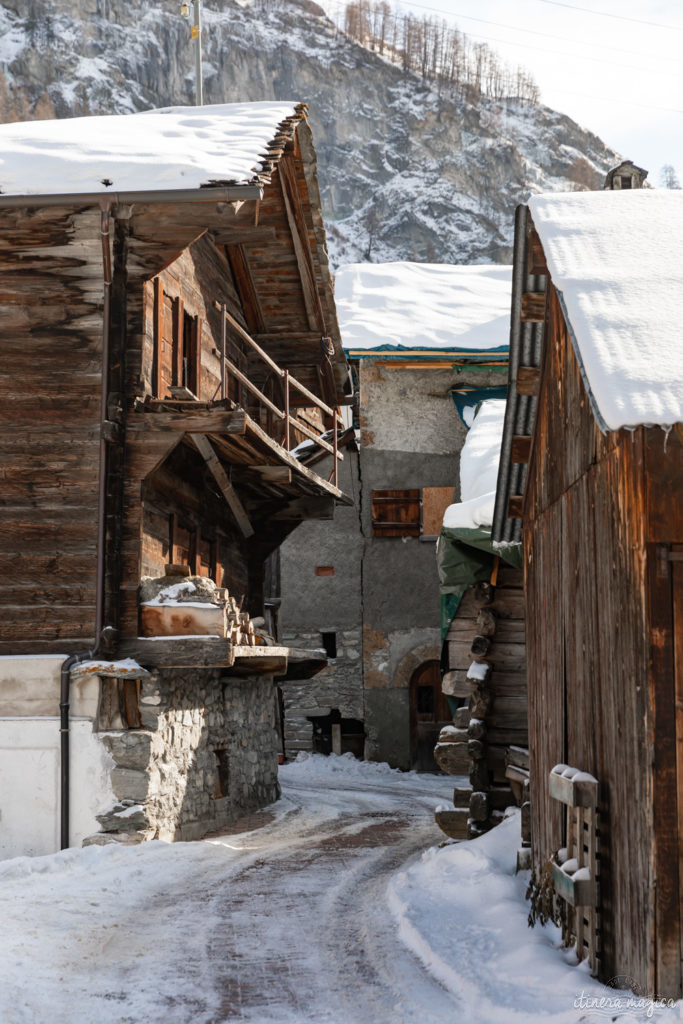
[203, 194]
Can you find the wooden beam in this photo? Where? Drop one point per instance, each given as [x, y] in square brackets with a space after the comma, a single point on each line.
[246, 288]
[302, 248]
[207, 421]
[306, 508]
[228, 491]
[307, 336]
[273, 474]
[246, 236]
[533, 308]
[161, 652]
[515, 506]
[520, 448]
[528, 380]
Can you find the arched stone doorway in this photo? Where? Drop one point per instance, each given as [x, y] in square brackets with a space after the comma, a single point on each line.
[429, 712]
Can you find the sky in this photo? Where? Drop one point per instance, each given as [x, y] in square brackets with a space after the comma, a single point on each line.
[614, 67]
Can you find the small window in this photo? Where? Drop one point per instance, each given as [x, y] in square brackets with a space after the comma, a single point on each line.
[330, 644]
[626, 181]
[324, 570]
[222, 784]
[396, 513]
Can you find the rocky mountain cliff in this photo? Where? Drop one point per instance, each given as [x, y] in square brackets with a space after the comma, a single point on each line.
[405, 173]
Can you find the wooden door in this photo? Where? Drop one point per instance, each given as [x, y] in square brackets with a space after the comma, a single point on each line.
[429, 712]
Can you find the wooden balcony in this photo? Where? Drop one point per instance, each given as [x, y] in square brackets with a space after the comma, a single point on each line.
[249, 433]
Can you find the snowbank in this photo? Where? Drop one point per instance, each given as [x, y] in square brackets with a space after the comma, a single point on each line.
[617, 260]
[479, 460]
[423, 306]
[321, 766]
[170, 148]
[461, 910]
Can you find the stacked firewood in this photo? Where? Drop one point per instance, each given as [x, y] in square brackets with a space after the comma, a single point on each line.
[240, 629]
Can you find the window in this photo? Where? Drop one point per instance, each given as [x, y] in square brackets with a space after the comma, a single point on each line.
[396, 513]
[177, 345]
[188, 546]
[329, 640]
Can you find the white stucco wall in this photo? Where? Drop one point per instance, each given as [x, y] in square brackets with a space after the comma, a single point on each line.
[30, 784]
[30, 756]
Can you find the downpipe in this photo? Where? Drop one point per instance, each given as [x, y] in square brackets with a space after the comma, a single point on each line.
[74, 659]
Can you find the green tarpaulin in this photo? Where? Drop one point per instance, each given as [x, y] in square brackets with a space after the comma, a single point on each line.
[465, 557]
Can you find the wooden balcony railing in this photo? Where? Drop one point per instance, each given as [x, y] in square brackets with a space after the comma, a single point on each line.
[279, 421]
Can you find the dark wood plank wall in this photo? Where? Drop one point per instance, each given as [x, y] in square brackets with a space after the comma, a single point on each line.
[587, 642]
[50, 341]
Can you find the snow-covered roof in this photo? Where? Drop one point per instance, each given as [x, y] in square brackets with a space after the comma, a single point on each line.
[401, 307]
[479, 460]
[171, 148]
[616, 257]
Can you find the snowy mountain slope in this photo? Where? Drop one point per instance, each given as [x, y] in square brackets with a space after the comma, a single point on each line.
[405, 173]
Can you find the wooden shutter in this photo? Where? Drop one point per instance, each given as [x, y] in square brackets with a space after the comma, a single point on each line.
[396, 513]
[435, 501]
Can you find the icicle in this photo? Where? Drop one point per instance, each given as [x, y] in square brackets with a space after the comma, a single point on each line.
[667, 428]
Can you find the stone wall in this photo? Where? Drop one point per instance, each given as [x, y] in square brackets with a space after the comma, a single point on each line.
[206, 754]
[339, 686]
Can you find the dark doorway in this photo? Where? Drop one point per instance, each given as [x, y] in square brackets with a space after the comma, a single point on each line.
[429, 712]
[334, 734]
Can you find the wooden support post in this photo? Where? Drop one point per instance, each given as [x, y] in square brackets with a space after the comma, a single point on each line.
[285, 385]
[336, 739]
[158, 333]
[228, 491]
[334, 445]
[224, 346]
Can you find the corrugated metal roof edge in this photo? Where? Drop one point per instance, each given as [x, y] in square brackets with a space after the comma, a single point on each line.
[520, 412]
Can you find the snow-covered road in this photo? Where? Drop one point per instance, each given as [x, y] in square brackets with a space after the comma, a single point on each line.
[323, 908]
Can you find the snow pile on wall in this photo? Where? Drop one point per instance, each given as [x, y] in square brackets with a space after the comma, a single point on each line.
[423, 306]
[170, 148]
[617, 260]
[479, 460]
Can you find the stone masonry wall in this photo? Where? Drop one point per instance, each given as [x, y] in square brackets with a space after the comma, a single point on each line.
[206, 754]
[340, 686]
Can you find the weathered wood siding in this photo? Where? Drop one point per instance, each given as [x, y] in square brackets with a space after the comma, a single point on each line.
[50, 372]
[593, 506]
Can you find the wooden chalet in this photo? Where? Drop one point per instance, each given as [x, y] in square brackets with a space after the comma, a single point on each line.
[168, 336]
[591, 485]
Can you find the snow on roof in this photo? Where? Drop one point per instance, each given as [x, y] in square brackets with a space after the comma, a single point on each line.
[395, 306]
[617, 260]
[171, 148]
[479, 460]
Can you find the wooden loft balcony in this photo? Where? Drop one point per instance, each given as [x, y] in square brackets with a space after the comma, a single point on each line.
[248, 441]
